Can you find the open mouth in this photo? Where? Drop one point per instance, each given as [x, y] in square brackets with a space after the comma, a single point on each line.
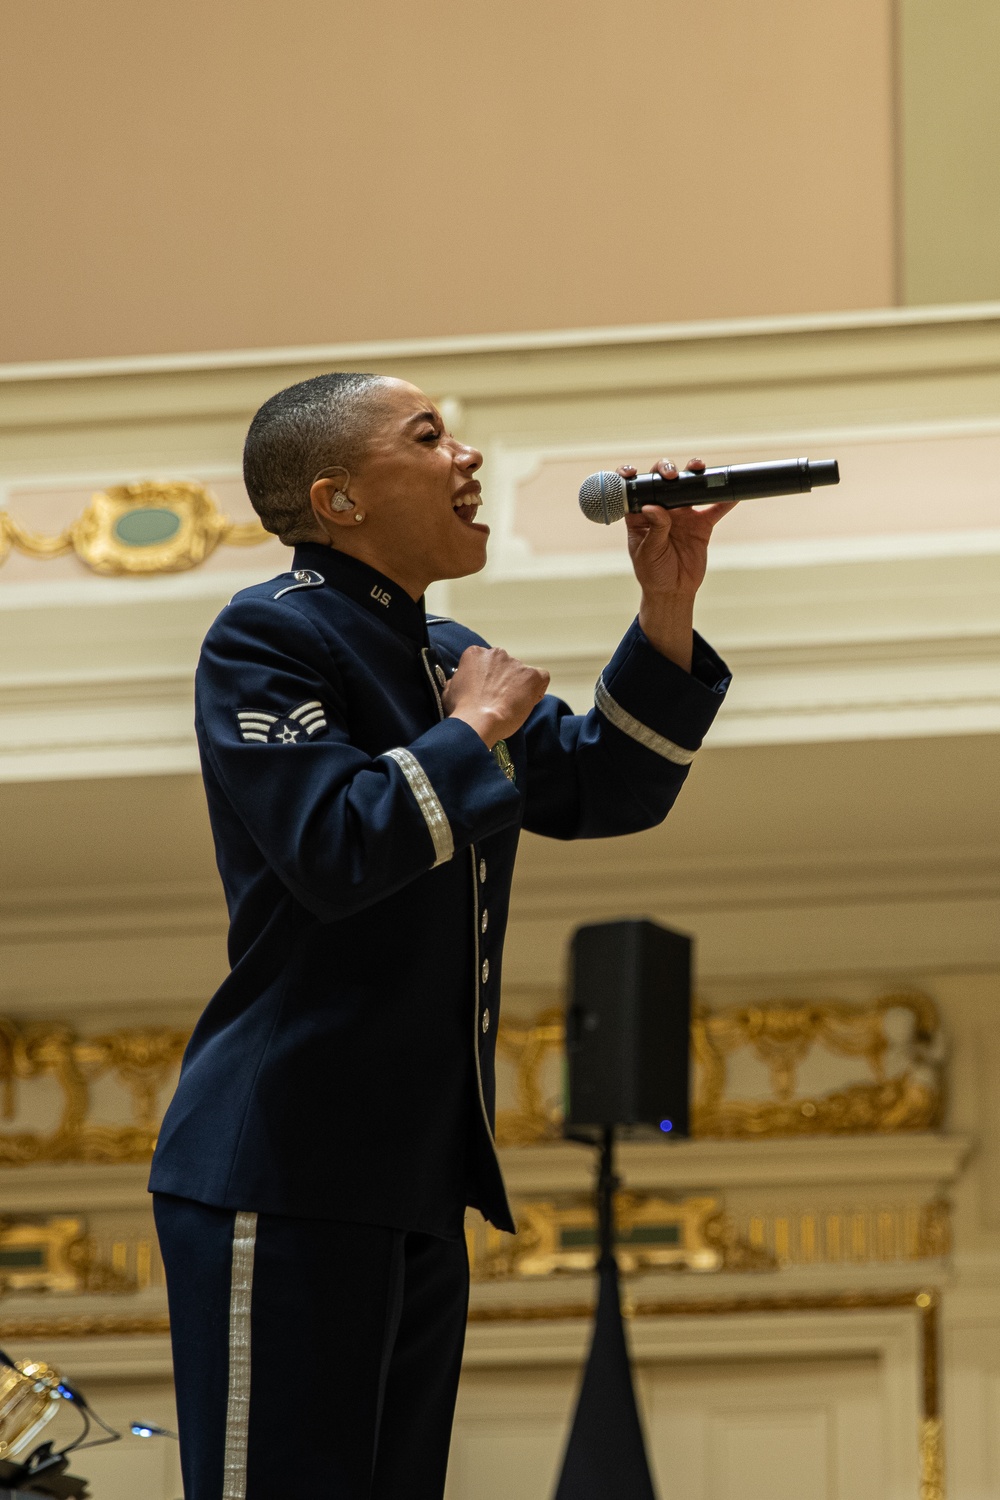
[466, 506]
[468, 510]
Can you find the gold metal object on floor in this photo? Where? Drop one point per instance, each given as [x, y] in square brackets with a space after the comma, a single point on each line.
[29, 1391]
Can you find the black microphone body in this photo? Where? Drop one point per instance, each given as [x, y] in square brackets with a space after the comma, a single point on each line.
[606, 497]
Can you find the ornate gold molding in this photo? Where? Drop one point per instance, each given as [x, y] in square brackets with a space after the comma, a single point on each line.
[875, 1232]
[781, 1035]
[82, 1326]
[527, 1048]
[55, 1255]
[557, 1236]
[155, 526]
[932, 1459]
[141, 1060]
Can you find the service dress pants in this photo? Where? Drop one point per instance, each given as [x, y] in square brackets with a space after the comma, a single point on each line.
[311, 1358]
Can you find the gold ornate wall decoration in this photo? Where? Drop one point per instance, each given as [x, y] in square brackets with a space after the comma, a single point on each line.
[862, 1234]
[559, 1236]
[83, 1326]
[528, 1047]
[140, 1060]
[155, 526]
[54, 1255]
[781, 1035]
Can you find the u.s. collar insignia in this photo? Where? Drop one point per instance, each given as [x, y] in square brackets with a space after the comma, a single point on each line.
[502, 757]
[282, 729]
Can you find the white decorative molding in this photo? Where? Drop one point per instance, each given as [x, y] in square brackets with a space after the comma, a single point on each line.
[868, 634]
[97, 1188]
[597, 551]
[96, 677]
[930, 1161]
[748, 880]
[124, 727]
[510, 343]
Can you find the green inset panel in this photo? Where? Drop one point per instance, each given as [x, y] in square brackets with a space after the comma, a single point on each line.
[639, 1234]
[652, 1234]
[146, 526]
[23, 1258]
[577, 1239]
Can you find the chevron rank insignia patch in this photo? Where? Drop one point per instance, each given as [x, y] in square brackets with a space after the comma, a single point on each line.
[293, 728]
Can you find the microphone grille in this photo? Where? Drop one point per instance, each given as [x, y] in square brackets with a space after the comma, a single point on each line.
[602, 497]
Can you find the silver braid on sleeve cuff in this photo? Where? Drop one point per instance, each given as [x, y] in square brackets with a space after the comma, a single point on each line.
[427, 800]
[623, 720]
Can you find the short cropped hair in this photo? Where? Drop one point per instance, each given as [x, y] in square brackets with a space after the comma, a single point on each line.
[304, 429]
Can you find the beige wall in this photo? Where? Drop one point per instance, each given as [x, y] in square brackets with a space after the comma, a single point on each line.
[951, 125]
[192, 176]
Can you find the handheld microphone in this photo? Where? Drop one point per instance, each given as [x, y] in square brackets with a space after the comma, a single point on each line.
[605, 497]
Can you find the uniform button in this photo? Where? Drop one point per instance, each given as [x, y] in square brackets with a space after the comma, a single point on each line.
[439, 674]
[486, 1021]
[301, 576]
[486, 969]
[485, 920]
[482, 871]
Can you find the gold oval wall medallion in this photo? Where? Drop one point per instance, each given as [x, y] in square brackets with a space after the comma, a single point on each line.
[154, 526]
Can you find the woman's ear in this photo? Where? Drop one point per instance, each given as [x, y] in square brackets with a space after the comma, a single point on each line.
[332, 506]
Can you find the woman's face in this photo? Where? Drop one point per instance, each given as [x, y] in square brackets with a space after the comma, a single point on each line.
[416, 491]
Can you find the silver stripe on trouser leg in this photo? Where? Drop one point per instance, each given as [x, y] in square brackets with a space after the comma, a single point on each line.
[234, 1483]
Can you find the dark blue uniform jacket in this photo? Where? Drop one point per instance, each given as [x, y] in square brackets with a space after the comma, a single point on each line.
[345, 1068]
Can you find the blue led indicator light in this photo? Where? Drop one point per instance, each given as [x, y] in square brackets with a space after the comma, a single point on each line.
[666, 1126]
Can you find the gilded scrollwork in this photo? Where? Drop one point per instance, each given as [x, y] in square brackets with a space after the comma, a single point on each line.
[558, 1235]
[527, 1047]
[154, 526]
[782, 1035]
[141, 1060]
[932, 1459]
[55, 1255]
[734, 1251]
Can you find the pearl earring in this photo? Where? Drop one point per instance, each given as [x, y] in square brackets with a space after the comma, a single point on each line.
[358, 516]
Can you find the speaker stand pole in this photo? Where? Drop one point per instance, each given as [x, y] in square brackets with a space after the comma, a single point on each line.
[606, 1453]
[607, 1185]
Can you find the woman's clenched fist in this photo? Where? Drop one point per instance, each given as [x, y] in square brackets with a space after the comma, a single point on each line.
[493, 691]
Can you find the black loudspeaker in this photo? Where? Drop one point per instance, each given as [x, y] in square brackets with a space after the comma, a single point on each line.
[628, 1026]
